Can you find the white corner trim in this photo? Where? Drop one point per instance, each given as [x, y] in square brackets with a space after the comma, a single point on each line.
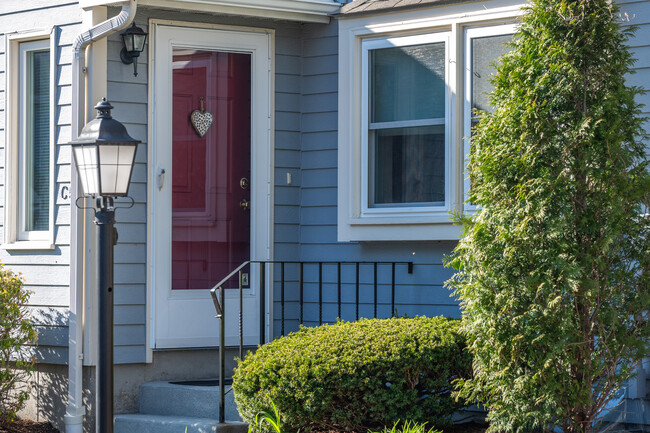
[296, 10]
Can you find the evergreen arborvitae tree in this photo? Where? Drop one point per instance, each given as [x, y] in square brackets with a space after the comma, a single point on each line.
[554, 269]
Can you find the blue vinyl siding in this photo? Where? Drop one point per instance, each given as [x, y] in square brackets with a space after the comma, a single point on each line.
[305, 212]
[46, 273]
[419, 293]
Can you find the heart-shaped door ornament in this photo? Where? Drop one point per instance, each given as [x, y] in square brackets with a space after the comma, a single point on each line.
[201, 119]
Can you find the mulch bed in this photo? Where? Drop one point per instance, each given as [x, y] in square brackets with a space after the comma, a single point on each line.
[26, 426]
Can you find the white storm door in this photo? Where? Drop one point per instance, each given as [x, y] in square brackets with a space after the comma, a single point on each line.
[210, 172]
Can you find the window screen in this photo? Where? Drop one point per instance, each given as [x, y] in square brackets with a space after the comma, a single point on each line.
[408, 99]
[37, 145]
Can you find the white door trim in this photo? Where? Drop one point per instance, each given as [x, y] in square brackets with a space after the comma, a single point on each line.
[259, 42]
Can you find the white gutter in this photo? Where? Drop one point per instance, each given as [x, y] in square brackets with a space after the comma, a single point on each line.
[74, 416]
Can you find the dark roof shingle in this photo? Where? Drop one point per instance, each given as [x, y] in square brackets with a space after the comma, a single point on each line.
[363, 7]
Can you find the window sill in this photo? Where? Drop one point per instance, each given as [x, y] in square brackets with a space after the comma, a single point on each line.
[398, 229]
[29, 245]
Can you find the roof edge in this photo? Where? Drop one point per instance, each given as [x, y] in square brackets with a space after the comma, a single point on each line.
[392, 6]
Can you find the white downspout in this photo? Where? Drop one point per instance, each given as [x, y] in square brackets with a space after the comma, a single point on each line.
[74, 416]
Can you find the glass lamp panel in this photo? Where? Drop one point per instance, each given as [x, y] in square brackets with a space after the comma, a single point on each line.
[138, 42]
[116, 160]
[108, 154]
[86, 159]
[108, 179]
[123, 177]
[125, 161]
[407, 83]
[128, 42]
[126, 154]
[409, 166]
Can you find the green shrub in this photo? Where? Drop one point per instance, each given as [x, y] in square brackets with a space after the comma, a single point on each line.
[356, 376]
[15, 332]
[554, 269]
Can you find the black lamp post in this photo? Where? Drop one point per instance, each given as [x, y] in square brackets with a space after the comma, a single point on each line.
[134, 39]
[104, 155]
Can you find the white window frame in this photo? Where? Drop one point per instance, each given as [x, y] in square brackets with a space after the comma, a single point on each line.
[15, 235]
[472, 33]
[357, 221]
[397, 209]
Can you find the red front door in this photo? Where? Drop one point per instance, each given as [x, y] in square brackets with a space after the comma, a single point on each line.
[211, 142]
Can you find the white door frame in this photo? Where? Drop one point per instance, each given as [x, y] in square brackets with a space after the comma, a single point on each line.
[259, 43]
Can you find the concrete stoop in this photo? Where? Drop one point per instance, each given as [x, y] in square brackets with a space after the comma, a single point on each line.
[170, 407]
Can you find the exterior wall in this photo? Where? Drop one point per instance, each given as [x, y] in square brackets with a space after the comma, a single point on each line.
[638, 14]
[47, 402]
[637, 403]
[305, 208]
[420, 293]
[46, 273]
[128, 94]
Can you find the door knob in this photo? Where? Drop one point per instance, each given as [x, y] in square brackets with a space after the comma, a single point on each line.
[245, 204]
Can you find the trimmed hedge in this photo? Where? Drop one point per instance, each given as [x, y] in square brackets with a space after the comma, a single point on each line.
[356, 376]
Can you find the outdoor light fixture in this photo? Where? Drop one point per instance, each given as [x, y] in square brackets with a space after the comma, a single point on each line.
[134, 39]
[104, 155]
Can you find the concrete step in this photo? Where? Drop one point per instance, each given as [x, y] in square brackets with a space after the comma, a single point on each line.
[198, 399]
[142, 423]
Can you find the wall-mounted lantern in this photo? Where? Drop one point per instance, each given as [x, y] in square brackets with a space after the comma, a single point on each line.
[134, 39]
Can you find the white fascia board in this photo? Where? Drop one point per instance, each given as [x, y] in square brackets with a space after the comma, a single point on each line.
[295, 10]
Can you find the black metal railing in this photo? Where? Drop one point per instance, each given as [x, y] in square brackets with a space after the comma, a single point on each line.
[343, 285]
[313, 293]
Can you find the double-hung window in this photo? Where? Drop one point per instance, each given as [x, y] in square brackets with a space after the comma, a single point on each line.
[408, 80]
[29, 180]
[405, 148]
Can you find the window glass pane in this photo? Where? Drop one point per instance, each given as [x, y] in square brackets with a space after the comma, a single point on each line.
[407, 83]
[210, 229]
[409, 165]
[37, 188]
[485, 52]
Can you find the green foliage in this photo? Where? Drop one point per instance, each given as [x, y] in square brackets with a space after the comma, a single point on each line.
[554, 269]
[270, 418]
[407, 427]
[15, 332]
[354, 376]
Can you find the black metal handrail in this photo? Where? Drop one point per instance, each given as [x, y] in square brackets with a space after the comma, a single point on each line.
[218, 298]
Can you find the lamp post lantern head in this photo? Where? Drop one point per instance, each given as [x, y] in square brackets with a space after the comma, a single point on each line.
[104, 154]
